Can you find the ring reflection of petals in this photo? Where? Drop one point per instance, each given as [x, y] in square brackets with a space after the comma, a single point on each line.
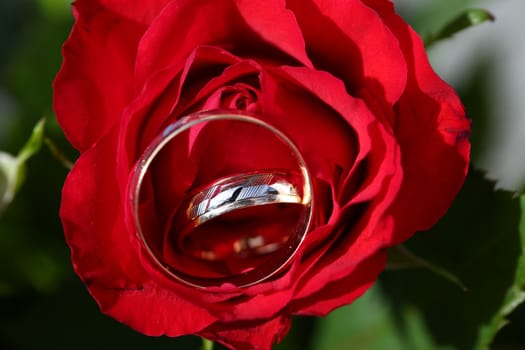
[239, 192]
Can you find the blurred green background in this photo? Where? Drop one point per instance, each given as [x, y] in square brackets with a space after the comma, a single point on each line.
[43, 304]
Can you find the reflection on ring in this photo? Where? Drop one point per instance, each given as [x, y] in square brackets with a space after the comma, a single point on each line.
[242, 191]
[235, 193]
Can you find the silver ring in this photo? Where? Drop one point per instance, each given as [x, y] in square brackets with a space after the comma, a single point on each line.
[282, 253]
[241, 191]
[235, 193]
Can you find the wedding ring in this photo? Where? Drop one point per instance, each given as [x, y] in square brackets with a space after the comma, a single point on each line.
[219, 200]
[235, 193]
[242, 191]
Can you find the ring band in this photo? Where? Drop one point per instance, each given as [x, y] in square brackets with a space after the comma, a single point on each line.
[235, 193]
[242, 191]
[282, 253]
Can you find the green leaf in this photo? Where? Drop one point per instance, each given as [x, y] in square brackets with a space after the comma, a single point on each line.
[371, 324]
[34, 144]
[478, 240]
[8, 179]
[367, 324]
[514, 297]
[54, 8]
[12, 169]
[418, 309]
[467, 19]
[207, 344]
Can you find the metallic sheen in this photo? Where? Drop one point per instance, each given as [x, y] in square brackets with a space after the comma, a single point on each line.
[242, 191]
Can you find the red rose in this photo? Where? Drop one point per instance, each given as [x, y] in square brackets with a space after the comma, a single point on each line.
[348, 81]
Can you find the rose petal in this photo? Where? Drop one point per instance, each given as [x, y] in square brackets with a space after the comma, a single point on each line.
[101, 247]
[360, 231]
[98, 54]
[343, 291]
[284, 92]
[262, 306]
[383, 177]
[158, 103]
[237, 147]
[153, 310]
[356, 114]
[432, 131]
[277, 25]
[354, 45]
[246, 336]
[105, 255]
[137, 10]
[188, 24]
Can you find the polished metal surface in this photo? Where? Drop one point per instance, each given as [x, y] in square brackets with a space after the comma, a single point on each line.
[242, 191]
